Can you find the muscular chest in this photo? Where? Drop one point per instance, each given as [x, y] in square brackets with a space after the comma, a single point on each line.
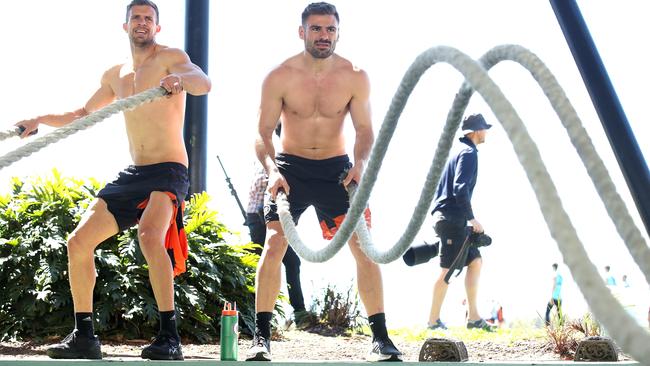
[132, 81]
[317, 96]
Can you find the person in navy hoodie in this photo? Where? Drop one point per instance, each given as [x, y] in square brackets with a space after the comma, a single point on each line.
[451, 213]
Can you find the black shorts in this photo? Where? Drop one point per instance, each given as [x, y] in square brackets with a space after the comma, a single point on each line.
[135, 184]
[128, 195]
[315, 183]
[452, 236]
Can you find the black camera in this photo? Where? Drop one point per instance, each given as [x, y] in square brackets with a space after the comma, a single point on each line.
[423, 253]
[479, 239]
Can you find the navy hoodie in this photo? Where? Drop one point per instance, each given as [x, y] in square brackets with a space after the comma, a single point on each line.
[454, 194]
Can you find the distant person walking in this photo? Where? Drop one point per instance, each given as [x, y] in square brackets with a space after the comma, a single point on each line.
[556, 297]
[451, 213]
[625, 283]
[609, 278]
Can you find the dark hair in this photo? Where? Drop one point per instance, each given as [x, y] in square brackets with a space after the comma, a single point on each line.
[607, 268]
[554, 265]
[139, 3]
[321, 8]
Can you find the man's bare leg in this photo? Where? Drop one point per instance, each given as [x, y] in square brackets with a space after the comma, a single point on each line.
[267, 288]
[369, 279]
[269, 276]
[439, 293]
[471, 288]
[371, 291]
[152, 229]
[97, 225]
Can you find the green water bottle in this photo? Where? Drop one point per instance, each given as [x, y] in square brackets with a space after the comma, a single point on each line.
[229, 332]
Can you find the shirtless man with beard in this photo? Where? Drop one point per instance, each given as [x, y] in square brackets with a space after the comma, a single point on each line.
[312, 93]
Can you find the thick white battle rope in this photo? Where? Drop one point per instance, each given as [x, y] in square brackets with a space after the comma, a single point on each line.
[9, 133]
[81, 124]
[622, 327]
[594, 165]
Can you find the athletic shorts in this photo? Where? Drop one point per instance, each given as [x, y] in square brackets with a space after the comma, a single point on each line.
[452, 236]
[315, 183]
[128, 195]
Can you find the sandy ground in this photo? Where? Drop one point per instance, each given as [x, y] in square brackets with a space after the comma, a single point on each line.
[305, 346]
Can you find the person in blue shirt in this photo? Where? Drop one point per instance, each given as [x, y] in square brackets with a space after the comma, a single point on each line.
[452, 210]
[556, 298]
[609, 278]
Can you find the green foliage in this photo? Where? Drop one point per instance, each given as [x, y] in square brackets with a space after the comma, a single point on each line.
[500, 335]
[564, 334]
[35, 219]
[337, 312]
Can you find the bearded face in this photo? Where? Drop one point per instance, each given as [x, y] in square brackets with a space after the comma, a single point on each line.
[320, 34]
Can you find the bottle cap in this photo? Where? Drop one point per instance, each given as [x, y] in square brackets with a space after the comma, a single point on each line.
[229, 309]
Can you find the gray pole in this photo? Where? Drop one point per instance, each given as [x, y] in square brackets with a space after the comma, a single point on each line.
[196, 111]
[603, 96]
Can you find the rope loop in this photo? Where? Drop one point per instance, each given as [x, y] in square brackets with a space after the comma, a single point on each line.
[609, 312]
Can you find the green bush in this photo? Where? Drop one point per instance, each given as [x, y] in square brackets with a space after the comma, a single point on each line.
[35, 219]
[337, 312]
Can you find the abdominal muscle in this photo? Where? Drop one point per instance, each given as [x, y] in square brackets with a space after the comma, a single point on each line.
[316, 139]
[155, 133]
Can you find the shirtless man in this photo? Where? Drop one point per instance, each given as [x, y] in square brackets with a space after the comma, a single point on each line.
[312, 92]
[150, 192]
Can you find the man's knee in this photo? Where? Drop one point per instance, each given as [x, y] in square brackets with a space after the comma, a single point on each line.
[150, 237]
[76, 246]
[355, 247]
[276, 246]
[476, 264]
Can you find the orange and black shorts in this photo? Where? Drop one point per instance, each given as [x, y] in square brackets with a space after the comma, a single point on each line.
[128, 195]
[315, 183]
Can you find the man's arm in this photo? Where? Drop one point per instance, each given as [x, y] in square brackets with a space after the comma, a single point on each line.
[466, 168]
[361, 120]
[270, 111]
[102, 97]
[184, 75]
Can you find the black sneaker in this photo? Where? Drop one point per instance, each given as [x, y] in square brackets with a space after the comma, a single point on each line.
[437, 325]
[76, 346]
[480, 324]
[383, 349]
[163, 347]
[260, 350]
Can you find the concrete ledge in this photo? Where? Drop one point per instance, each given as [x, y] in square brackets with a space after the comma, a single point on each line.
[134, 362]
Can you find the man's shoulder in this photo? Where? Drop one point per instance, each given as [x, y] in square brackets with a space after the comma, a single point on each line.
[113, 72]
[345, 65]
[166, 53]
[282, 72]
[466, 149]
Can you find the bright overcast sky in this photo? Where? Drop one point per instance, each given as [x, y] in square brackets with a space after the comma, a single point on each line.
[54, 54]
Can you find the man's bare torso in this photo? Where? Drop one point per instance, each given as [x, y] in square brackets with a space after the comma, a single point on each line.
[314, 107]
[154, 130]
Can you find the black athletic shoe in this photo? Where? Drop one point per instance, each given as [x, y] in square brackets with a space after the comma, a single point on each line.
[383, 349]
[260, 350]
[163, 347]
[76, 346]
[481, 324]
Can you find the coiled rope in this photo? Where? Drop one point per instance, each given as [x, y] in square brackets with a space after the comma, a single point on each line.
[622, 327]
[81, 124]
